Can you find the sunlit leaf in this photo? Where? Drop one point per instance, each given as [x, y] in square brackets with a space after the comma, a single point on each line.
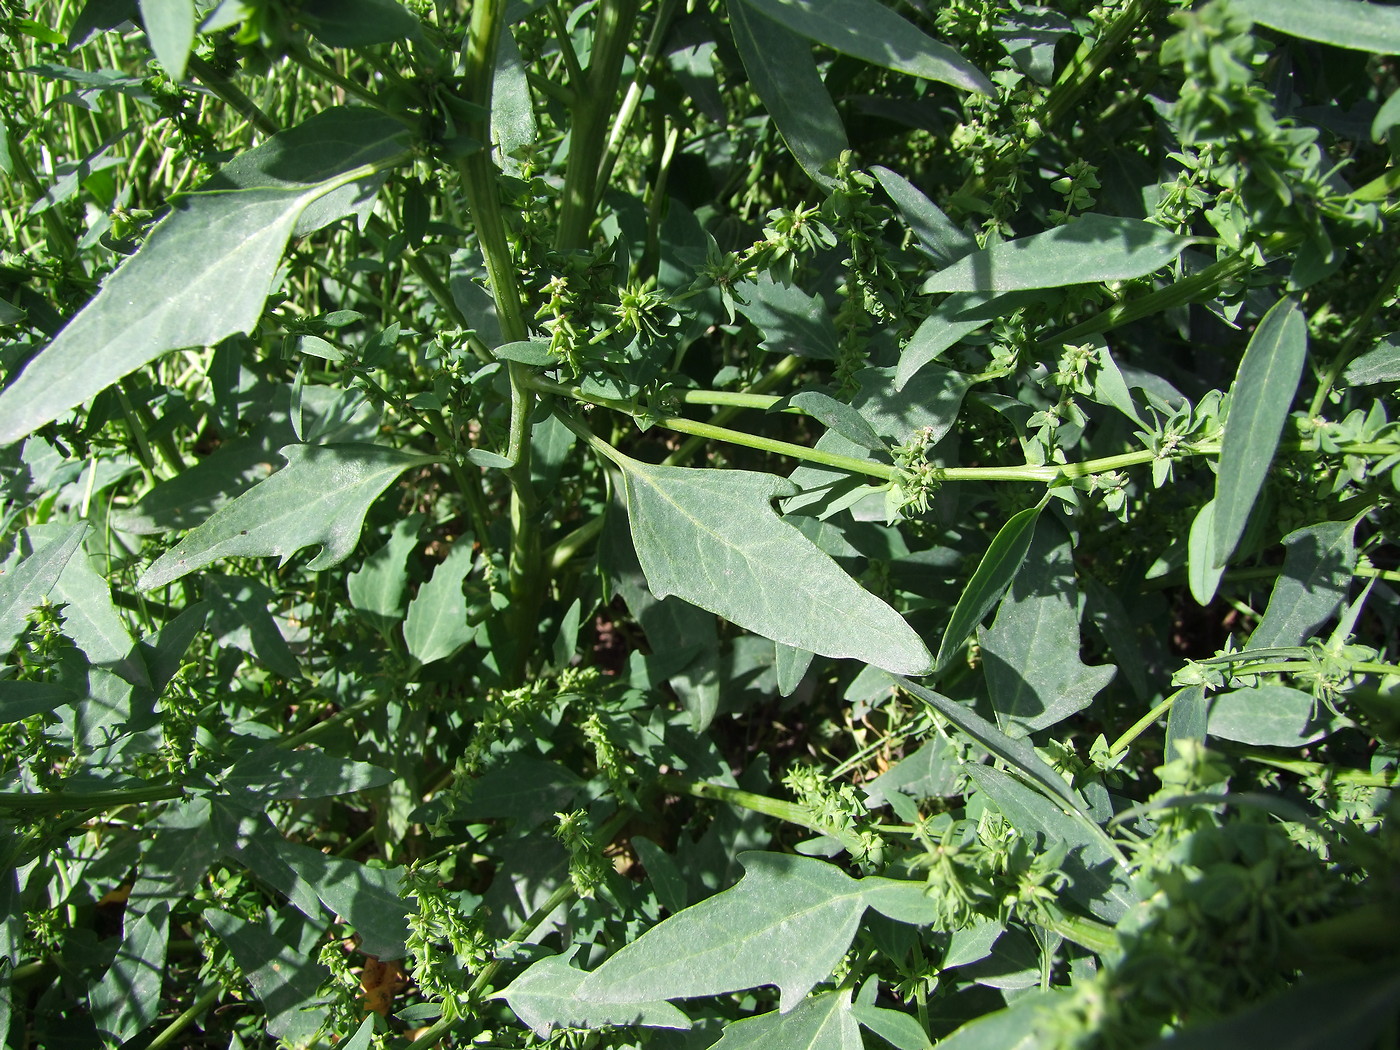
[868, 30]
[1354, 24]
[1017, 753]
[823, 1022]
[225, 241]
[29, 582]
[437, 623]
[170, 28]
[713, 538]
[546, 996]
[1260, 399]
[994, 574]
[1091, 248]
[319, 499]
[787, 922]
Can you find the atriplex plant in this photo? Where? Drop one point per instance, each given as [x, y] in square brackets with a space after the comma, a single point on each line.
[887, 502]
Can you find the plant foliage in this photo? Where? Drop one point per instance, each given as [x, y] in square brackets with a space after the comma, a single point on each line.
[767, 523]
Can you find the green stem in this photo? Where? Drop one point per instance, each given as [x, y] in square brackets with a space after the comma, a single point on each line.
[1331, 773]
[1087, 65]
[288, 743]
[1142, 725]
[790, 812]
[59, 801]
[172, 1031]
[708, 431]
[1348, 348]
[483, 201]
[230, 92]
[484, 976]
[324, 72]
[1095, 936]
[616, 19]
[635, 89]
[566, 48]
[776, 377]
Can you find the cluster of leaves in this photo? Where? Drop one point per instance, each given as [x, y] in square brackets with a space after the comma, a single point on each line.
[762, 523]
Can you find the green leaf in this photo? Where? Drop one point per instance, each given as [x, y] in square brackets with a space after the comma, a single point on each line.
[894, 1027]
[790, 665]
[994, 574]
[1318, 564]
[1202, 574]
[1386, 117]
[19, 700]
[239, 616]
[868, 30]
[1019, 754]
[328, 417]
[838, 416]
[1097, 871]
[936, 333]
[437, 624]
[379, 587]
[89, 617]
[1090, 249]
[319, 499]
[1026, 1024]
[1031, 654]
[945, 242]
[225, 241]
[1341, 23]
[712, 538]
[271, 773]
[367, 898]
[1380, 364]
[787, 922]
[170, 29]
[546, 996]
[671, 626]
[1268, 715]
[933, 771]
[521, 788]
[512, 107]
[1350, 1009]
[27, 584]
[823, 1022]
[1260, 399]
[357, 23]
[363, 1036]
[791, 320]
[284, 979]
[784, 74]
[126, 999]
[528, 352]
[1188, 719]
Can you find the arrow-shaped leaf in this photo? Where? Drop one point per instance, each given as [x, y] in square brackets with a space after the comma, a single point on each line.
[823, 1022]
[204, 271]
[29, 583]
[319, 498]
[713, 538]
[787, 922]
[546, 996]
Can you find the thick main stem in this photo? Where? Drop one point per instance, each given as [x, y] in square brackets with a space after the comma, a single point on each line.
[592, 113]
[483, 201]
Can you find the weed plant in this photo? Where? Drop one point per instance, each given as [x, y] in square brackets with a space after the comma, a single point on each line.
[744, 523]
